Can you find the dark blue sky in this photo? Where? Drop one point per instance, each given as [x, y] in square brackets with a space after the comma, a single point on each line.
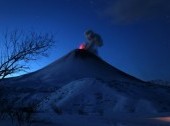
[136, 33]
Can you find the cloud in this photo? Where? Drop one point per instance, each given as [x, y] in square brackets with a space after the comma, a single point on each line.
[128, 11]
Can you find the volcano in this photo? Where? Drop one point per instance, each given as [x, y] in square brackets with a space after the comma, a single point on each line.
[75, 65]
[82, 84]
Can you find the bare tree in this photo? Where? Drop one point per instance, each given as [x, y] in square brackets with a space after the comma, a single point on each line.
[18, 48]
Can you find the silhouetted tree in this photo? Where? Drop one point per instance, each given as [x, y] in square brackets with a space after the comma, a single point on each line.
[18, 47]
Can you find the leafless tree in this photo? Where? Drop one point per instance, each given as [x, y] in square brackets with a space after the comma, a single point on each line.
[18, 48]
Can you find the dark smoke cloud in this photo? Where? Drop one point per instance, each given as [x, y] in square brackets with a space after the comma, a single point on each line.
[128, 11]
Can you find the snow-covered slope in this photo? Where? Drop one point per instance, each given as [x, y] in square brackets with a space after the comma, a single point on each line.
[160, 82]
[90, 96]
[75, 65]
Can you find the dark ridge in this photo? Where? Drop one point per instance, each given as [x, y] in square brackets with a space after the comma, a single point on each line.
[84, 54]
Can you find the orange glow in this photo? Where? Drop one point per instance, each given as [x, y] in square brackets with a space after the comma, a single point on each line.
[164, 119]
[82, 46]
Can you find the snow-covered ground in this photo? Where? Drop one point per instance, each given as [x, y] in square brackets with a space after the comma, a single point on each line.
[160, 82]
[118, 119]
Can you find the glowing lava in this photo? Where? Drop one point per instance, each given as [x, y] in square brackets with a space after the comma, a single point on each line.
[82, 46]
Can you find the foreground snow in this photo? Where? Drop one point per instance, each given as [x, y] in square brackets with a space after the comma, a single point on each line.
[92, 97]
[118, 119]
[93, 102]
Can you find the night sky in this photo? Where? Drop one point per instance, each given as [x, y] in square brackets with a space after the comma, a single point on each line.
[136, 33]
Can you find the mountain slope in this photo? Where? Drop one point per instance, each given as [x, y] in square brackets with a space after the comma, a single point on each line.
[75, 65]
[90, 96]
